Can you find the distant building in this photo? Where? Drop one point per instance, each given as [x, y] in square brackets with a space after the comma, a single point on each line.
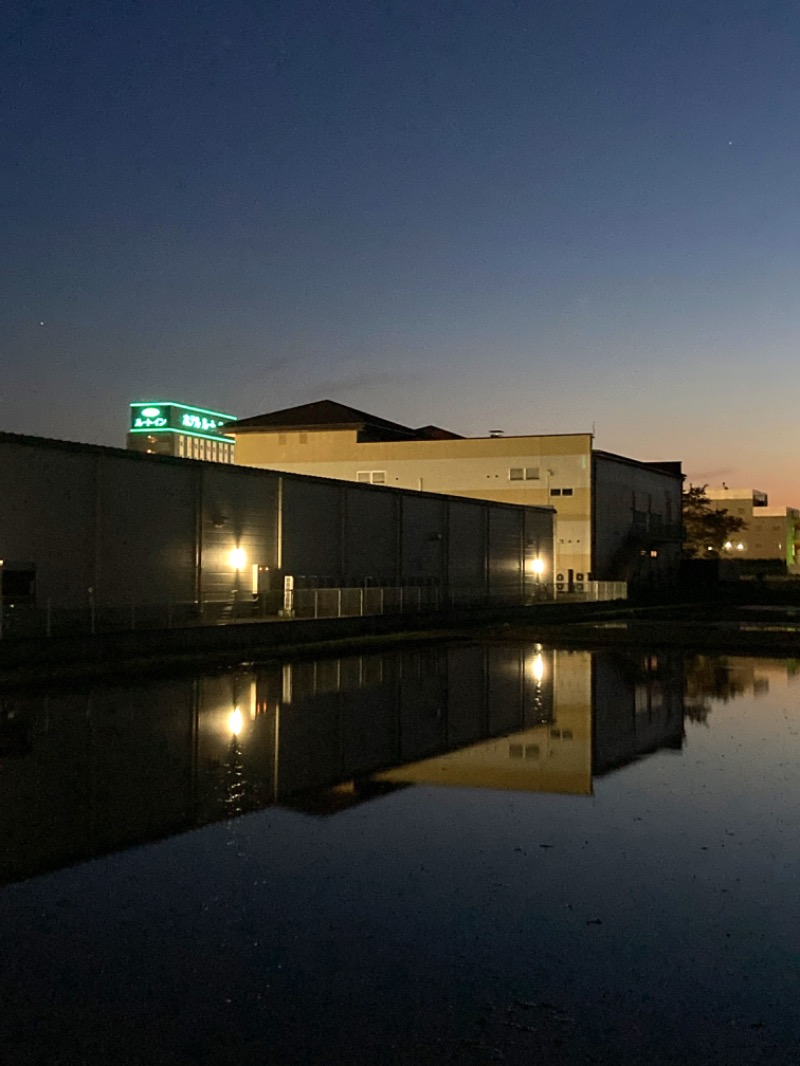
[168, 428]
[618, 519]
[771, 533]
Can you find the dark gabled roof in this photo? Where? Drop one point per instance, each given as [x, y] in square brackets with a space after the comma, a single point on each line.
[436, 433]
[322, 414]
[328, 414]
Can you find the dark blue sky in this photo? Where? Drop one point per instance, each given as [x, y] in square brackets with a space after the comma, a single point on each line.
[535, 216]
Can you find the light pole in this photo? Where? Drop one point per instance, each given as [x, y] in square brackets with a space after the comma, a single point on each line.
[548, 502]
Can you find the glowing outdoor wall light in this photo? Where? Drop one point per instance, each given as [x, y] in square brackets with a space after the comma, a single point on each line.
[238, 557]
[235, 722]
[537, 668]
[537, 566]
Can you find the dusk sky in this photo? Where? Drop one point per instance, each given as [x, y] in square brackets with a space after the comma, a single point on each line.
[532, 216]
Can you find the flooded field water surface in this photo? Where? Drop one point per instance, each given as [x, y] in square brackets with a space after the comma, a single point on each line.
[500, 853]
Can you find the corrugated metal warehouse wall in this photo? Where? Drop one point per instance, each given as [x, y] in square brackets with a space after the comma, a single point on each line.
[144, 529]
[239, 513]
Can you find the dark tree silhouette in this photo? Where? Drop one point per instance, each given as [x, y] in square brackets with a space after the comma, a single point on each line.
[706, 528]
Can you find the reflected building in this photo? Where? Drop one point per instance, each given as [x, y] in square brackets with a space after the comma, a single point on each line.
[86, 773]
[638, 707]
[607, 711]
[553, 754]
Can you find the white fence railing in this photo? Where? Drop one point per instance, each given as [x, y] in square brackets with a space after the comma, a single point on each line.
[28, 620]
[591, 590]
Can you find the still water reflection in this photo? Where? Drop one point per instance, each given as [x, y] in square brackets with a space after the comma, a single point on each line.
[85, 773]
[460, 855]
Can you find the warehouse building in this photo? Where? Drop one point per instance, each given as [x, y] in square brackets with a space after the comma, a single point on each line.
[122, 529]
[618, 519]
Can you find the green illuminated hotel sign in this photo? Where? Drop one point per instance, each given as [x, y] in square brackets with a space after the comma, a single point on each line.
[179, 418]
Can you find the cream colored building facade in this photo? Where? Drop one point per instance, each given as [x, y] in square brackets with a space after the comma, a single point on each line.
[617, 518]
[771, 532]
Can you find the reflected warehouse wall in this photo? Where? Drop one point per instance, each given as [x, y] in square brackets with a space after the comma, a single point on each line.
[86, 773]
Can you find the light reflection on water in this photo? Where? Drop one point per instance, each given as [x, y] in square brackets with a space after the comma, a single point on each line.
[605, 871]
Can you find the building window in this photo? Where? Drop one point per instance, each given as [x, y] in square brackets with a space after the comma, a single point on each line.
[555, 492]
[523, 751]
[516, 473]
[531, 473]
[566, 492]
[302, 438]
[371, 477]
